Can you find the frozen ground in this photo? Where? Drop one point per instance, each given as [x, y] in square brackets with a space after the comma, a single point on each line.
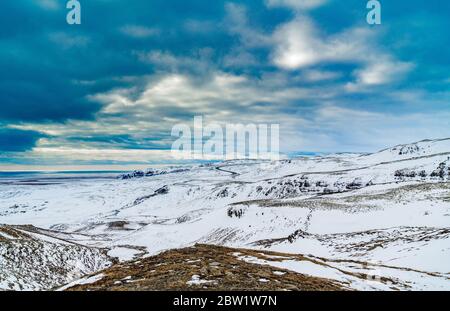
[386, 214]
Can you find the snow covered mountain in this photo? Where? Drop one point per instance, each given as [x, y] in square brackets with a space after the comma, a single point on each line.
[375, 221]
[32, 258]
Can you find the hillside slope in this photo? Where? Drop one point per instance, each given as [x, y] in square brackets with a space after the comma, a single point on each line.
[32, 260]
[389, 209]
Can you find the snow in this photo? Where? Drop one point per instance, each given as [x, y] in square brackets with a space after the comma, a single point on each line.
[84, 281]
[123, 254]
[195, 280]
[376, 216]
[6, 236]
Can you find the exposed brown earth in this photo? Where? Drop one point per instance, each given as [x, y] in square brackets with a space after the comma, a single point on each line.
[205, 267]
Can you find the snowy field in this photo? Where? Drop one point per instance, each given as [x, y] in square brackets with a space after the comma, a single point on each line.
[387, 213]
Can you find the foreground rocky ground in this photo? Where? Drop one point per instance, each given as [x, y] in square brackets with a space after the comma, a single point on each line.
[204, 267]
[209, 267]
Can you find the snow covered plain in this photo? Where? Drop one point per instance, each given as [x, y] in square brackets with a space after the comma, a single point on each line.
[385, 214]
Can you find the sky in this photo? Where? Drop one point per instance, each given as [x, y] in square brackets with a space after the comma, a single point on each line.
[108, 92]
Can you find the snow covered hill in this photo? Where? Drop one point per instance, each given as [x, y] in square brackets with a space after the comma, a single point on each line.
[33, 259]
[419, 149]
[389, 211]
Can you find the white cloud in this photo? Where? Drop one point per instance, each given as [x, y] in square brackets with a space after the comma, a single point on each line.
[299, 44]
[314, 75]
[238, 23]
[169, 99]
[296, 4]
[164, 59]
[212, 96]
[380, 71]
[199, 61]
[374, 130]
[138, 32]
[48, 4]
[67, 41]
[239, 58]
[92, 155]
[224, 98]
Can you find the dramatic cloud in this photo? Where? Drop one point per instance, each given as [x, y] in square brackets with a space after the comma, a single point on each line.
[119, 82]
[300, 44]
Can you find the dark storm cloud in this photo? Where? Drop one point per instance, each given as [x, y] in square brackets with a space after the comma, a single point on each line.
[12, 140]
[50, 72]
[47, 64]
